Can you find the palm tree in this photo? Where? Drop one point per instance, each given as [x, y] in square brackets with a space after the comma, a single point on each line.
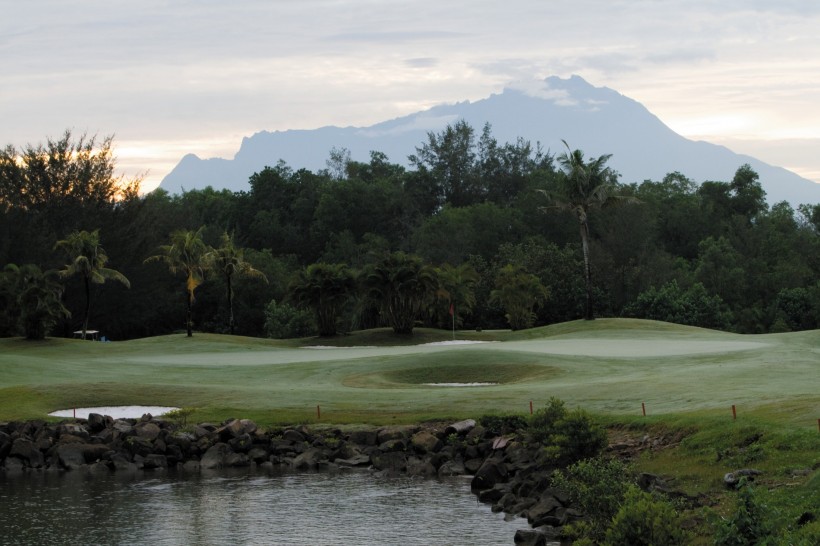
[518, 292]
[325, 288]
[88, 259]
[400, 284]
[585, 186]
[37, 298]
[457, 286]
[185, 254]
[229, 261]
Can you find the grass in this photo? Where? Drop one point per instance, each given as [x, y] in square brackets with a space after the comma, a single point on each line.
[688, 379]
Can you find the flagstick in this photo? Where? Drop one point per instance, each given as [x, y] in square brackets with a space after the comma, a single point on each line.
[454, 322]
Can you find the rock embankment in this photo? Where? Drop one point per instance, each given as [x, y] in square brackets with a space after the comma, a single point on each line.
[505, 471]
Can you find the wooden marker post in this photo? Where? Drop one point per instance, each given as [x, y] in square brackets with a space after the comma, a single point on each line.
[318, 412]
[643, 409]
[734, 412]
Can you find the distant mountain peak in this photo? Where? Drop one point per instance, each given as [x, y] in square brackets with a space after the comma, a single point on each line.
[597, 120]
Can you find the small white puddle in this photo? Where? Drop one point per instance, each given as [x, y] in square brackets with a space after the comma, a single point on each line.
[117, 412]
[460, 384]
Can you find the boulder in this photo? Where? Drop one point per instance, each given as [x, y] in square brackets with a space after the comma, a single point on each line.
[492, 471]
[293, 436]
[398, 432]
[529, 537]
[154, 460]
[732, 479]
[215, 456]
[26, 450]
[356, 460]
[96, 422]
[5, 445]
[420, 467]
[232, 429]
[309, 460]
[425, 442]
[149, 431]
[393, 460]
[73, 429]
[364, 437]
[461, 428]
[71, 456]
[451, 468]
[242, 443]
[236, 459]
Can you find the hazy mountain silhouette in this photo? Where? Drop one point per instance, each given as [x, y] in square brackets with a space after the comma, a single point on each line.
[597, 120]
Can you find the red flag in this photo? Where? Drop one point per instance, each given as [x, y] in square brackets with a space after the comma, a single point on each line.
[452, 309]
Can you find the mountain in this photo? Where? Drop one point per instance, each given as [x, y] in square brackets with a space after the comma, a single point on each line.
[597, 120]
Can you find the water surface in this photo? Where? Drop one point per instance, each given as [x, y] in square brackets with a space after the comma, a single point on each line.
[245, 508]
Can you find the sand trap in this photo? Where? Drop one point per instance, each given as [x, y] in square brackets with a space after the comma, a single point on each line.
[454, 342]
[460, 384]
[625, 348]
[117, 412]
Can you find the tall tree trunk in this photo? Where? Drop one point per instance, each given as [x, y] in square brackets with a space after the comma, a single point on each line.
[188, 314]
[587, 270]
[87, 282]
[230, 305]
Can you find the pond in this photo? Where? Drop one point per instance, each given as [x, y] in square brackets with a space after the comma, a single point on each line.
[245, 507]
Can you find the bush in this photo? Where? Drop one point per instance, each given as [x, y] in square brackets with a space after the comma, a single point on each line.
[503, 424]
[748, 525]
[566, 436]
[645, 520]
[283, 321]
[598, 487]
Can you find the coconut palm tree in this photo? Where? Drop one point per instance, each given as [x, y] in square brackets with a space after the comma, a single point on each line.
[88, 259]
[584, 186]
[229, 261]
[401, 285]
[185, 254]
[325, 288]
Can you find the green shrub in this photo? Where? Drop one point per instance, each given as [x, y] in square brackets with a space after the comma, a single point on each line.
[598, 487]
[283, 321]
[645, 520]
[748, 525]
[566, 436]
[503, 424]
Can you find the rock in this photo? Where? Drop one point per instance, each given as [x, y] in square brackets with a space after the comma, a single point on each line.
[309, 460]
[546, 506]
[242, 443]
[215, 456]
[425, 442]
[293, 436]
[472, 465]
[451, 468]
[120, 462]
[13, 465]
[71, 456]
[650, 482]
[155, 461]
[25, 450]
[461, 428]
[5, 445]
[398, 432]
[356, 460]
[73, 429]
[529, 537]
[236, 459]
[258, 455]
[492, 495]
[364, 437]
[191, 466]
[232, 429]
[732, 479]
[248, 426]
[396, 444]
[420, 467]
[148, 431]
[393, 460]
[96, 422]
[492, 471]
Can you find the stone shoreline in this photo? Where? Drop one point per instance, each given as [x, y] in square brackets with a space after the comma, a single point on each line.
[506, 473]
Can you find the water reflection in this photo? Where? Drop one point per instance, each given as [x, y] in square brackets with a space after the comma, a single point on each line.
[244, 508]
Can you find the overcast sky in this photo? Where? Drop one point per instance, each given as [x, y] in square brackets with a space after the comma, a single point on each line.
[172, 77]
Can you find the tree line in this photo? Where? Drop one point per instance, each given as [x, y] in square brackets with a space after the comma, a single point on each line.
[474, 234]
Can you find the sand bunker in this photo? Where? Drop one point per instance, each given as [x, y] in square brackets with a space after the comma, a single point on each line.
[625, 348]
[460, 384]
[117, 412]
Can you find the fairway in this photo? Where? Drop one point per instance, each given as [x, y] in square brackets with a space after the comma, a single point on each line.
[608, 366]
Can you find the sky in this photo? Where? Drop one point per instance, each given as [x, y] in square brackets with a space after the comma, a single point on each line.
[172, 77]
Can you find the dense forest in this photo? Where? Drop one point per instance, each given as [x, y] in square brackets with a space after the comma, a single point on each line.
[474, 234]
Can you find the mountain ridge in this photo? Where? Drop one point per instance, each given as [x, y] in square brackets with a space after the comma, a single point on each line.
[597, 120]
